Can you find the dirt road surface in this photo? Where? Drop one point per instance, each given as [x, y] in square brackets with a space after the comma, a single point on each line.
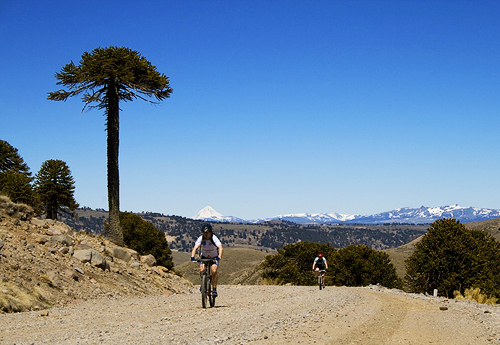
[261, 315]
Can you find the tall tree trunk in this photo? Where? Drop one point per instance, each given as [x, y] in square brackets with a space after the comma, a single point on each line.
[115, 231]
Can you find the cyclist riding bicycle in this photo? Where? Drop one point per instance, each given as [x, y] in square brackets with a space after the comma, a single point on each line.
[320, 264]
[211, 248]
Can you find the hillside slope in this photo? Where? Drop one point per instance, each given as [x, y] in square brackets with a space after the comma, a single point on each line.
[45, 263]
[238, 266]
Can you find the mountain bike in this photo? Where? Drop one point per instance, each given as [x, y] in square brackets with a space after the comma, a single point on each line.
[321, 281]
[206, 283]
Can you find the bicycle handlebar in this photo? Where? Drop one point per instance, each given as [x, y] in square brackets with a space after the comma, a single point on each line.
[206, 260]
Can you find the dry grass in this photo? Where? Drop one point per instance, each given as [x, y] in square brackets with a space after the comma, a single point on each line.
[14, 299]
[474, 294]
[18, 211]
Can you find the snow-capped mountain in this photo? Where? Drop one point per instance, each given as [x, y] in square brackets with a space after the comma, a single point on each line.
[420, 215]
[209, 214]
[430, 214]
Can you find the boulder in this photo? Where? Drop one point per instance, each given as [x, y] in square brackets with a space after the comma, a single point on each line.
[135, 264]
[70, 273]
[135, 255]
[120, 253]
[42, 239]
[148, 260]
[54, 279]
[98, 260]
[82, 246]
[83, 255]
[37, 221]
[64, 240]
[91, 256]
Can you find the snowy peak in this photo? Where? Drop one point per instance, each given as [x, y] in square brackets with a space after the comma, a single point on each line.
[208, 213]
[420, 215]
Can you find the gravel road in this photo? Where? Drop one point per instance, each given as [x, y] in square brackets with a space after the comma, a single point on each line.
[261, 315]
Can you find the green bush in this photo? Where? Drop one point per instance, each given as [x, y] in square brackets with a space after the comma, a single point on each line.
[359, 265]
[143, 237]
[15, 176]
[54, 187]
[293, 263]
[451, 258]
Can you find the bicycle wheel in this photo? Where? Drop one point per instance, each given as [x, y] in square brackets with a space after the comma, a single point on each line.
[320, 281]
[211, 298]
[204, 291]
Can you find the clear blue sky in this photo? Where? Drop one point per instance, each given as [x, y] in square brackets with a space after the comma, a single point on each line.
[278, 106]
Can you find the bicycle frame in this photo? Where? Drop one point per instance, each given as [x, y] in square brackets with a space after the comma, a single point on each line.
[206, 282]
[321, 279]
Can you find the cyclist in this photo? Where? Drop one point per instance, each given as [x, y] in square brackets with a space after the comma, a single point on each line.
[211, 248]
[320, 264]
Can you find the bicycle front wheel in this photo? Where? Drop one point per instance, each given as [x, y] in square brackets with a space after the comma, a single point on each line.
[320, 282]
[204, 291]
[211, 298]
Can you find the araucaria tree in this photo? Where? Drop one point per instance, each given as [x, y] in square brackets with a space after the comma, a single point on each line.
[54, 187]
[15, 175]
[452, 258]
[105, 77]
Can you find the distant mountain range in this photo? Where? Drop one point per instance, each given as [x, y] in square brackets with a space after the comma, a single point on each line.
[420, 215]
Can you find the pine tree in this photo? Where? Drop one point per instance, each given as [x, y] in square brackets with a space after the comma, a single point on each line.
[55, 187]
[15, 175]
[452, 258]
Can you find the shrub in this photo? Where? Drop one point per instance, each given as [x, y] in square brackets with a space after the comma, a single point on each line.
[293, 263]
[472, 294]
[143, 237]
[451, 257]
[359, 265]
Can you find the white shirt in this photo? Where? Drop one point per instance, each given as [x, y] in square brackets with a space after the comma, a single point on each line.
[208, 250]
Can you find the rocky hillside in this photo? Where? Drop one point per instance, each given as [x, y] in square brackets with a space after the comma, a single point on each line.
[44, 263]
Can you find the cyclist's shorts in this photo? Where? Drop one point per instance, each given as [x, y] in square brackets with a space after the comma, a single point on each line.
[215, 262]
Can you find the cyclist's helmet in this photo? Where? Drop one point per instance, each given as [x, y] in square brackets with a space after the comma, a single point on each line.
[320, 255]
[206, 228]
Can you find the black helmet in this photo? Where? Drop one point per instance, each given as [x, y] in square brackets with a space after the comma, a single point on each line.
[206, 228]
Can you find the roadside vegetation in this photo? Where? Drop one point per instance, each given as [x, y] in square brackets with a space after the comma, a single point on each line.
[452, 258]
[354, 265]
[50, 193]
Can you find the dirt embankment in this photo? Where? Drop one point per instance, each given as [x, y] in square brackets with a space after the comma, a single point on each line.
[44, 263]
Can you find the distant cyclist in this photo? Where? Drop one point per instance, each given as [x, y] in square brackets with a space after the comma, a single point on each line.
[211, 248]
[320, 264]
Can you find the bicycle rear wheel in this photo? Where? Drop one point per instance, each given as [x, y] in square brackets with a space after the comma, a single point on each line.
[204, 291]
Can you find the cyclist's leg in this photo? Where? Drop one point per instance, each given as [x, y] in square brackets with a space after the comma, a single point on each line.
[214, 275]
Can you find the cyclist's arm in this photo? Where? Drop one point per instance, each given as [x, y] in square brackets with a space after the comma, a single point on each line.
[314, 265]
[193, 253]
[220, 251]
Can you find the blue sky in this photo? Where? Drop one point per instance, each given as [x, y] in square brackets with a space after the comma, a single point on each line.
[277, 106]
